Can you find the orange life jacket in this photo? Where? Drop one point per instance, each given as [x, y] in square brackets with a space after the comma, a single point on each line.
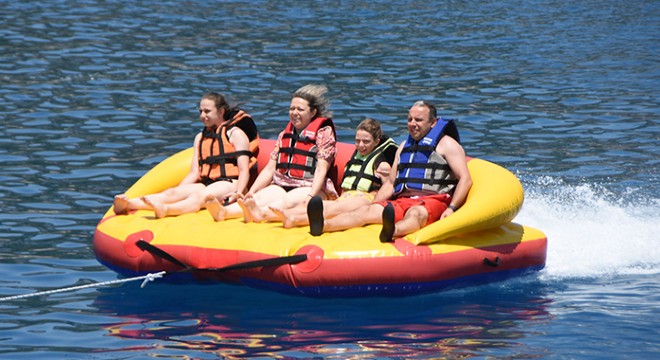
[297, 155]
[218, 157]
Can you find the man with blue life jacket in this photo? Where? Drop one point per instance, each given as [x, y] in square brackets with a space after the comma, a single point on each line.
[431, 181]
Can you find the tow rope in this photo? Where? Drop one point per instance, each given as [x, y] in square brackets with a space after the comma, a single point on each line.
[156, 251]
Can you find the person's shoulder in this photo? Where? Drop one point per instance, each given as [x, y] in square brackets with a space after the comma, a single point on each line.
[198, 137]
[326, 128]
[447, 140]
[326, 132]
[236, 135]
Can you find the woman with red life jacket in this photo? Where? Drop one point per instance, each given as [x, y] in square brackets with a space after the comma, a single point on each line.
[224, 153]
[364, 174]
[298, 166]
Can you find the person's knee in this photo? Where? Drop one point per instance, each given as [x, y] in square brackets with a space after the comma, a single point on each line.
[418, 213]
[171, 192]
[372, 212]
[197, 197]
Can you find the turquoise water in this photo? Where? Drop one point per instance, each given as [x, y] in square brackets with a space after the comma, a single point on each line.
[564, 94]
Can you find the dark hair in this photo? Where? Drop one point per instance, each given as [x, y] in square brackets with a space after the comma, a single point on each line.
[372, 127]
[432, 111]
[220, 103]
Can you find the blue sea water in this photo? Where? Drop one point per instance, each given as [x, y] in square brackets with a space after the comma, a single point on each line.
[562, 93]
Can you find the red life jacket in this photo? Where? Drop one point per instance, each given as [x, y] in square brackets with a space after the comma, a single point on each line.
[218, 157]
[297, 155]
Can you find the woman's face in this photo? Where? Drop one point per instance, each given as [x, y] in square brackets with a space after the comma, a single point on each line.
[208, 113]
[364, 142]
[300, 113]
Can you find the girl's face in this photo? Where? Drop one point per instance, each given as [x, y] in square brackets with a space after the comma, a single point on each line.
[364, 142]
[300, 113]
[208, 113]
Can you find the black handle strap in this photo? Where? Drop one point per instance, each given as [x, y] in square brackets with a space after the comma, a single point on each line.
[275, 261]
[153, 250]
[493, 263]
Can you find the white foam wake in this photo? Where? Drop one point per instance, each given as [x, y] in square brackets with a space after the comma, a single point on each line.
[591, 231]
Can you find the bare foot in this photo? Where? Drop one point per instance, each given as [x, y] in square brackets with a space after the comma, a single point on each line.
[287, 221]
[251, 211]
[160, 210]
[247, 215]
[120, 204]
[215, 208]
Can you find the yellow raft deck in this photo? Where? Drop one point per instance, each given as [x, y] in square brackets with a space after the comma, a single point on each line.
[476, 244]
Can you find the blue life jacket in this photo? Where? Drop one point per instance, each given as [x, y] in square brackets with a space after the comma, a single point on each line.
[421, 168]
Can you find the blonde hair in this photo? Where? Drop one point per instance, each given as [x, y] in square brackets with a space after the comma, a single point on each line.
[315, 97]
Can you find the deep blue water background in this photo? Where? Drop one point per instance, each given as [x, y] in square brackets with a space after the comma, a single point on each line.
[563, 93]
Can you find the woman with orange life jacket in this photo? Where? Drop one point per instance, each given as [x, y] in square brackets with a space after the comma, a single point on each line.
[224, 152]
[298, 166]
[366, 171]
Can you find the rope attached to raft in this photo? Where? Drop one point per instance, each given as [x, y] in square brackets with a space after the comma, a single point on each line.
[156, 251]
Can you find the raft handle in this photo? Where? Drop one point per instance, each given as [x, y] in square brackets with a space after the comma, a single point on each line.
[275, 261]
[493, 263]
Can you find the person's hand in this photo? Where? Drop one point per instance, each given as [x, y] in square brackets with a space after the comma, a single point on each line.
[382, 174]
[306, 199]
[232, 197]
[446, 213]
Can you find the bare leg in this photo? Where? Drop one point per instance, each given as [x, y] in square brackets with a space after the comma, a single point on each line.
[160, 210]
[369, 214]
[192, 203]
[283, 217]
[414, 219]
[247, 215]
[123, 204]
[215, 208]
[290, 218]
[120, 204]
[334, 208]
[251, 211]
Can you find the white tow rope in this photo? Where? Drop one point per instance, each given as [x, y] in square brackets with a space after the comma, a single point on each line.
[146, 279]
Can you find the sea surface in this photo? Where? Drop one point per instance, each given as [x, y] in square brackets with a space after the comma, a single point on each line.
[566, 94]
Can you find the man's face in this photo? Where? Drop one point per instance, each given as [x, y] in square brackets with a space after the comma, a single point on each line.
[419, 122]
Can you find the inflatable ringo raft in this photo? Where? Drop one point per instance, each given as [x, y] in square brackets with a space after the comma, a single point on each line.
[477, 244]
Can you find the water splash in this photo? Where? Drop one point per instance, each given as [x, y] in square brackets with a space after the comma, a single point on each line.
[592, 231]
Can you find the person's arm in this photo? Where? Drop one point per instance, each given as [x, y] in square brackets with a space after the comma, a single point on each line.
[320, 174]
[241, 143]
[264, 178]
[387, 189]
[454, 153]
[266, 174]
[383, 172]
[193, 175]
[325, 158]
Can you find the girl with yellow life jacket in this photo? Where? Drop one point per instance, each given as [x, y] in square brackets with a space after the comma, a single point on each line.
[224, 153]
[364, 174]
[298, 166]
